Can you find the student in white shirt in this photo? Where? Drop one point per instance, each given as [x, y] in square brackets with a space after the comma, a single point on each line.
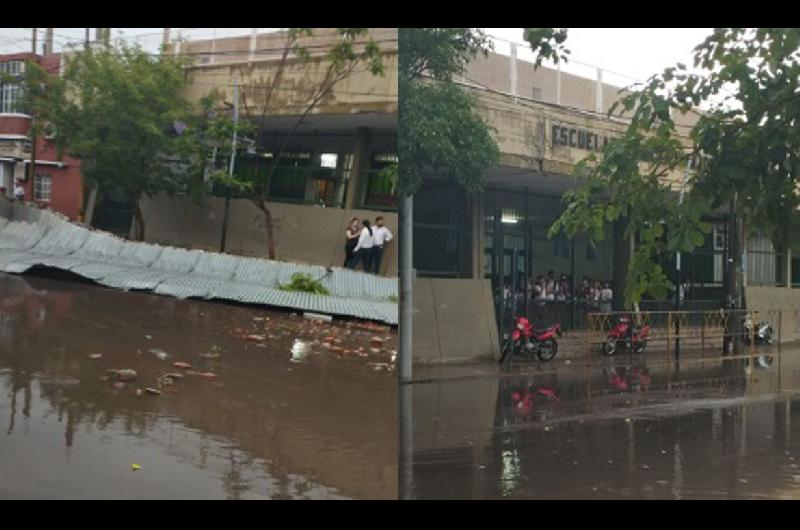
[364, 249]
[19, 192]
[381, 235]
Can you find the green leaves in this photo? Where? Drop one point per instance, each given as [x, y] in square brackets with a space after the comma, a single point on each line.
[439, 129]
[548, 43]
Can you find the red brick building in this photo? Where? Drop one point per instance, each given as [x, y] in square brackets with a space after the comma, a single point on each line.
[57, 182]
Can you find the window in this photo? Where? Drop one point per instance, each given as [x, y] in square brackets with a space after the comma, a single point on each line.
[10, 89]
[41, 188]
[379, 191]
[288, 182]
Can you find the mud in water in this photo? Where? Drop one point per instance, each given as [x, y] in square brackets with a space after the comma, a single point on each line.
[106, 394]
[616, 429]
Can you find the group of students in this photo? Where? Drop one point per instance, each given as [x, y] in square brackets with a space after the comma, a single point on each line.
[545, 288]
[364, 244]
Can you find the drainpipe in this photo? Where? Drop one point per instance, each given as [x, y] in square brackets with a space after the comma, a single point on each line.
[599, 91]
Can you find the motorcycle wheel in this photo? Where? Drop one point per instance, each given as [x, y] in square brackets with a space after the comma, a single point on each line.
[507, 352]
[769, 337]
[610, 346]
[547, 350]
[640, 346]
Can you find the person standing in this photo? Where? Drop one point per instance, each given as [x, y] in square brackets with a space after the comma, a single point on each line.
[364, 247]
[382, 235]
[19, 192]
[351, 234]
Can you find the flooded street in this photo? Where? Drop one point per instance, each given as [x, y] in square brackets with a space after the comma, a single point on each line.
[227, 402]
[618, 429]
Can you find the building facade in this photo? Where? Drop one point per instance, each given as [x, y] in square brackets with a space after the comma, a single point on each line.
[56, 182]
[544, 122]
[325, 167]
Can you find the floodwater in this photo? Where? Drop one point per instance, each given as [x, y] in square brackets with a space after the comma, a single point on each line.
[617, 429]
[274, 406]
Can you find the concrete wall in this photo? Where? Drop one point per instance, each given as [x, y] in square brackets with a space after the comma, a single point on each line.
[523, 131]
[359, 92]
[778, 299]
[454, 320]
[542, 84]
[304, 234]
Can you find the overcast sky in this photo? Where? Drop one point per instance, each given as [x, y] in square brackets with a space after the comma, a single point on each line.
[13, 40]
[636, 53]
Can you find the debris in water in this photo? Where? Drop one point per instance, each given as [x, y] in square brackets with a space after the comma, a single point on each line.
[375, 350]
[548, 428]
[153, 391]
[148, 337]
[207, 375]
[95, 355]
[255, 337]
[179, 364]
[158, 352]
[628, 420]
[743, 480]
[135, 467]
[118, 385]
[126, 374]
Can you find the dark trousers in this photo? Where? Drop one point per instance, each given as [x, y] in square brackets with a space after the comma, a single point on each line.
[377, 255]
[348, 255]
[364, 256]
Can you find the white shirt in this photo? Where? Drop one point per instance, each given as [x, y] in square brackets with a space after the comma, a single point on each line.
[365, 240]
[19, 191]
[381, 235]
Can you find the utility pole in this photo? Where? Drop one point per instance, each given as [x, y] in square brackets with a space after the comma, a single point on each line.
[406, 442]
[165, 40]
[86, 38]
[230, 167]
[32, 168]
[48, 41]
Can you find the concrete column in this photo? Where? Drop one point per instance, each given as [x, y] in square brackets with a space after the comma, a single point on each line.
[788, 267]
[478, 237]
[558, 84]
[513, 66]
[599, 91]
[356, 187]
[253, 44]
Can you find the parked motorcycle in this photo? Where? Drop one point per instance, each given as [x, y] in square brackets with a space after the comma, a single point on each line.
[764, 334]
[626, 333]
[526, 341]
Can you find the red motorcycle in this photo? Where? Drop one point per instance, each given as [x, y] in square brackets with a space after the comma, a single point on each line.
[529, 342]
[626, 333]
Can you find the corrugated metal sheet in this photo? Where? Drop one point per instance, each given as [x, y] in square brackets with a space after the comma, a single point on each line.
[30, 237]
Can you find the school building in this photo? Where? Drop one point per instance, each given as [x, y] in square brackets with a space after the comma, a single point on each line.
[545, 122]
[330, 162]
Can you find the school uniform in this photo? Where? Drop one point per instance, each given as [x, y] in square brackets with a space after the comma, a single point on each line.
[364, 250]
[381, 236]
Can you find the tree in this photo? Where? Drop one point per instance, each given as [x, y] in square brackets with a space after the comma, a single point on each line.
[439, 128]
[343, 58]
[118, 110]
[744, 152]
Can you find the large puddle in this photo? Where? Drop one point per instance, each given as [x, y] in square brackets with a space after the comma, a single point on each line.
[260, 404]
[617, 429]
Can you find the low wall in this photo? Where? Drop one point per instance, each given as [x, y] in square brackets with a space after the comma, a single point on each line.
[454, 320]
[303, 234]
[778, 299]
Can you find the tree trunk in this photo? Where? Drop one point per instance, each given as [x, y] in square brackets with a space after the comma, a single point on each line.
[138, 226]
[268, 224]
[735, 275]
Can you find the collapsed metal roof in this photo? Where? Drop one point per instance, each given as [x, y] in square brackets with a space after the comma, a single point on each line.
[31, 237]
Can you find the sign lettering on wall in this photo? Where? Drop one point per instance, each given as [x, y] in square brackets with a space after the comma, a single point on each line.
[578, 138]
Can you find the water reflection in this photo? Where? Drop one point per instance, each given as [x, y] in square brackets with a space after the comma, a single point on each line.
[262, 427]
[618, 429]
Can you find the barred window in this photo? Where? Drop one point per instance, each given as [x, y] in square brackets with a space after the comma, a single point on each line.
[10, 85]
[41, 187]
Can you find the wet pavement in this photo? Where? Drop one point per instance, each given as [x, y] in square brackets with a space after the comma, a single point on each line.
[613, 429]
[271, 405]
